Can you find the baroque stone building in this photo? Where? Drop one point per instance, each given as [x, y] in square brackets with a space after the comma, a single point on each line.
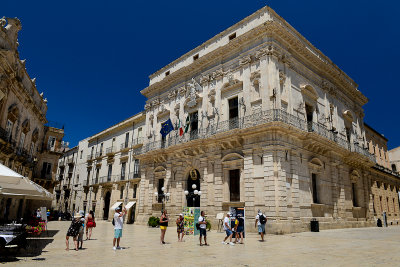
[29, 145]
[268, 123]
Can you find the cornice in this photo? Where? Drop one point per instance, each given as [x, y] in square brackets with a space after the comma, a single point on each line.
[276, 31]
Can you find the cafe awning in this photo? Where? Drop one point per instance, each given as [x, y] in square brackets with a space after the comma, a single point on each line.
[130, 204]
[14, 184]
[116, 204]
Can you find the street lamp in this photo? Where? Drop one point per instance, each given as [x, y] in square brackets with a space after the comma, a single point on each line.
[163, 196]
[195, 194]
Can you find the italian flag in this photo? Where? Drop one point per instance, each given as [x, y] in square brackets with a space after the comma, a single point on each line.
[180, 128]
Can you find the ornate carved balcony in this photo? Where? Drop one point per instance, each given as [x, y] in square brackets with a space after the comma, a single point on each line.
[125, 146]
[258, 119]
[99, 154]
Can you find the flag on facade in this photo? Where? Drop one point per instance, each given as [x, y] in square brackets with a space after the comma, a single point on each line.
[187, 124]
[166, 128]
[180, 128]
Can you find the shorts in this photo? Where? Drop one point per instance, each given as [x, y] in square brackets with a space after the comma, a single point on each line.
[117, 233]
[203, 232]
[240, 229]
[261, 228]
[228, 232]
[163, 227]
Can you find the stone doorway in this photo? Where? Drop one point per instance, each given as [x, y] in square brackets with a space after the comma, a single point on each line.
[193, 178]
[106, 209]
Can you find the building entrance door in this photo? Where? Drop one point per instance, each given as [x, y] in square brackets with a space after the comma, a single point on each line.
[106, 205]
[193, 178]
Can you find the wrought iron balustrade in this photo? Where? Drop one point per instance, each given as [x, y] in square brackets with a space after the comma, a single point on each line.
[125, 145]
[133, 175]
[99, 154]
[258, 118]
[110, 150]
[89, 157]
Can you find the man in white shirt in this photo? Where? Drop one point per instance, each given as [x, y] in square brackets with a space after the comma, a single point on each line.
[203, 228]
[228, 229]
[118, 223]
[261, 220]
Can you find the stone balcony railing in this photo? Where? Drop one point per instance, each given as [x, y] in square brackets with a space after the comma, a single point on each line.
[256, 119]
[389, 171]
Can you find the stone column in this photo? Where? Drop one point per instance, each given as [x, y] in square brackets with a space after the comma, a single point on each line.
[280, 184]
[294, 188]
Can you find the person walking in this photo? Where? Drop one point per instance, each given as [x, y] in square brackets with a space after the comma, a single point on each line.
[180, 227]
[73, 231]
[118, 224]
[81, 229]
[261, 220]
[203, 228]
[163, 225]
[239, 224]
[228, 230]
[90, 224]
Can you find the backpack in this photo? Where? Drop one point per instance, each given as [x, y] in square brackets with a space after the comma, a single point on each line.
[113, 222]
[262, 219]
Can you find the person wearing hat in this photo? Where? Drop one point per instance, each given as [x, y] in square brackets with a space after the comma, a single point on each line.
[118, 223]
[228, 229]
[73, 231]
[261, 220]
[180, 227]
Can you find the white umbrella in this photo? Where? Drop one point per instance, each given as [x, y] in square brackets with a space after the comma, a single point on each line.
[14, 184]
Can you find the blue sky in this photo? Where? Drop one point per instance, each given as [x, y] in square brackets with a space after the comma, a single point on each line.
[92, 58]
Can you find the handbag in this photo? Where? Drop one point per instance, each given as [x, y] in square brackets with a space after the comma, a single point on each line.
[94, 224]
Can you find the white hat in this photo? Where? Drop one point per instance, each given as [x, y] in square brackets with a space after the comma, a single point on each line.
[181, 214]
[228, 213]
[77, 215]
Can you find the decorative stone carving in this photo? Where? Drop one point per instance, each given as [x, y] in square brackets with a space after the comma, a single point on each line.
[147, 107]
[204, 79]
[176, 109]
[282, 77]
[211, 95]
[172, 94]
[218, 74]
[182, 91]
[155, 102]
[194, 87]
[245, 60]
[3, 22]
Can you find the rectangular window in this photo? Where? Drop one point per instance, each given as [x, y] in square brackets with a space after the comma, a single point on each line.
[354, 191]
[167, 73]
[233, 113]
[126, 140]
[77, 179]
[81, 154]
[97, 175]
[314, 188]
[9, 128]
[234, 185]
[22, 140]
[194, 125]
[51, 143]
[109, 173]
[195, 57]
[160, 192]
[88, 177]
[101, 149]
[134, 190]
[123, 167]
[140, 133]
[136, 169]
[121, 195]
[232, 36]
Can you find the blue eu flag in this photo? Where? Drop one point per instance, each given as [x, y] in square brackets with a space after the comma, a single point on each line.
[166, 128]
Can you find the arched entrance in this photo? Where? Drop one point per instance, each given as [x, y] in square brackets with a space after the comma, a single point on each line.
[106, 209]
[193, 178]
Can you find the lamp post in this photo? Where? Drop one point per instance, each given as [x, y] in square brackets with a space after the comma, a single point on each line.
[195, 194]
[163, 196]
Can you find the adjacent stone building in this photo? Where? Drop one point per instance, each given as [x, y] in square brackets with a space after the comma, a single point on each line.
[262, 120]
[28, 143]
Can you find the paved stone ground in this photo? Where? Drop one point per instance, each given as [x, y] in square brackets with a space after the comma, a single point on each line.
[343, 247]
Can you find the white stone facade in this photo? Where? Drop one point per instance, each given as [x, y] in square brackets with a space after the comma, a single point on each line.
[272, 124]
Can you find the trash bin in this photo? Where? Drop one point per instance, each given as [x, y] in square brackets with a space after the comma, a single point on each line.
[314, 225]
